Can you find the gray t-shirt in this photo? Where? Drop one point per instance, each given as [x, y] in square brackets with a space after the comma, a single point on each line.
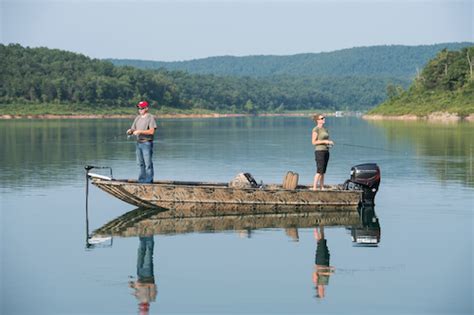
[144, 122]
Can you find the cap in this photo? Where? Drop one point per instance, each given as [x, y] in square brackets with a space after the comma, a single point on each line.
[142, 104]
[144, 306]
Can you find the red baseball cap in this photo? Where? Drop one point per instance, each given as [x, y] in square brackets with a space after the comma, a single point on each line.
[142, 104]
[144, 306]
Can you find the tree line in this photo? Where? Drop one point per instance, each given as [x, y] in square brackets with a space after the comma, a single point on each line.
[44, 76]
[51, 75]
[449, 71]
[445, 84]
[373, 61]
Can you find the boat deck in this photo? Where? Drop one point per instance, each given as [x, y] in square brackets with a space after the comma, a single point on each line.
[271, 197]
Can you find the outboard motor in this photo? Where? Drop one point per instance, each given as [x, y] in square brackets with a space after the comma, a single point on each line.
[365, 177]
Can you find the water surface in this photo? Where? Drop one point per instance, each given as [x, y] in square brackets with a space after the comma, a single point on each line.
[422, 265]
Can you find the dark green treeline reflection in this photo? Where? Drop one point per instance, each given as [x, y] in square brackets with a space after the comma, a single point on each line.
[48, 150]
[40, 152]
[45, 152]
[446, 150]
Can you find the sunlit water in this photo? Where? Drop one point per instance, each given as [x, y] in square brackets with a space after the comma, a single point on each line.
[422, 265]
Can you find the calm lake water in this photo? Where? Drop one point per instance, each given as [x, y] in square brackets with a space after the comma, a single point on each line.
[423, 263]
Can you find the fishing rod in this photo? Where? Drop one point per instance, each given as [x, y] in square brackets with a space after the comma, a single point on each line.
[115, 137]
[366, 147]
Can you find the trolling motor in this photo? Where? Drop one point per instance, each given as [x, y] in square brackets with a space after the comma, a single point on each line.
[94, 241]
[365, 177]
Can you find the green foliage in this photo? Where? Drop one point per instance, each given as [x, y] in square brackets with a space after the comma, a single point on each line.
[250, 108]
[376, 61]
[281, 92]
[41, 75]
[53, 81]
[448, 71]
[446, 84]
[394, 91]
[39, 78]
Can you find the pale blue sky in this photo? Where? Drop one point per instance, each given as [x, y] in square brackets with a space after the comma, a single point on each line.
[188, 29]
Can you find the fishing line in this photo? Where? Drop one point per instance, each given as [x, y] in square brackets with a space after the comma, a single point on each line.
[426, 159]
[367, 147]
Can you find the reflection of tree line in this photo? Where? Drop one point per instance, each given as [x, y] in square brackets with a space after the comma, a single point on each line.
[53, 141]
[446, 148]
[44, 149]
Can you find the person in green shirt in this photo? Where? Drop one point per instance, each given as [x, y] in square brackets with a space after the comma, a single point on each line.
[321, 142]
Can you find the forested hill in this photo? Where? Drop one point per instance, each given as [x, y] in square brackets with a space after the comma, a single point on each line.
[446, 84]
[374, 61]
[61, 82]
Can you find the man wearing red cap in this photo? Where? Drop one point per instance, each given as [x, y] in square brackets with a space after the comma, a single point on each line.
[143, 128]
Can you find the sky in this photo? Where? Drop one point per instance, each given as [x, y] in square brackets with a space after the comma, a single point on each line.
[175, 30]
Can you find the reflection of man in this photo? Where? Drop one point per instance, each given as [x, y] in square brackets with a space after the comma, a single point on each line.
[145, 287]
[322, 270]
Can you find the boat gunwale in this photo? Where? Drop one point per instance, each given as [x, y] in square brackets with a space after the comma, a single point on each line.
[216, 185]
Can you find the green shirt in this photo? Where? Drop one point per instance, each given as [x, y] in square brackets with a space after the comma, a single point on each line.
[323, 134]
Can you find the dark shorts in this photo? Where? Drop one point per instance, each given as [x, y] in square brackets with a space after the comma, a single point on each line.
[322, 253]
[322, 158]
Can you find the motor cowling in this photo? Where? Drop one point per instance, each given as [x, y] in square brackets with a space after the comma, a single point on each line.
[365, 177]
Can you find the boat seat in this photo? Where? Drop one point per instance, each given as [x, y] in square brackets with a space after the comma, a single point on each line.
[243, 180]
[290, 181]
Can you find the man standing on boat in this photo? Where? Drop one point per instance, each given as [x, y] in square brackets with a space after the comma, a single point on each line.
[143, 128]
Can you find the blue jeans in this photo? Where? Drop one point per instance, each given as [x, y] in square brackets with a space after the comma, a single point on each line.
[145, 259]
[144, 152]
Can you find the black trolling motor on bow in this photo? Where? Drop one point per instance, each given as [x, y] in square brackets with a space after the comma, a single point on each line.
[365, 177]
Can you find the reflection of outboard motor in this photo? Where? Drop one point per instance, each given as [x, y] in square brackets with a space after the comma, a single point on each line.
[368, 232]
[365, 177]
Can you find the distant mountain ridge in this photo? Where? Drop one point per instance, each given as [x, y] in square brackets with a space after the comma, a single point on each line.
[397, 61]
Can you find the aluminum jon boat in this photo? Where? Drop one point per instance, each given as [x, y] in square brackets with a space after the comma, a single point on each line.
[243, 195]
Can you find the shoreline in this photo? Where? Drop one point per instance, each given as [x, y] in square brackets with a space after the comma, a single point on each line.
[433, 117]
[158, 116]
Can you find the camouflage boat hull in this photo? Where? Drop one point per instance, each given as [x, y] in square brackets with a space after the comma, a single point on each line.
[200, 196]
[143, 222]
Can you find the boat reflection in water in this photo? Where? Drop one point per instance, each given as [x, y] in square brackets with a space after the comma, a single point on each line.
[189, 218]
[367, 233]
[186, 218]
